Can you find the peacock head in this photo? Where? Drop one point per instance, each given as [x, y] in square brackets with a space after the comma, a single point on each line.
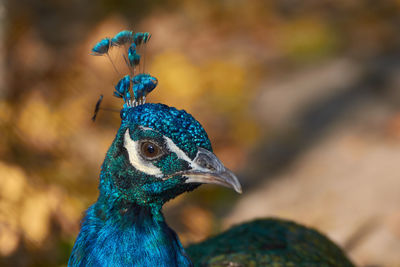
[159, 151]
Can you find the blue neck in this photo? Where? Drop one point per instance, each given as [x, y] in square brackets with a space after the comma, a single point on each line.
[126, 235]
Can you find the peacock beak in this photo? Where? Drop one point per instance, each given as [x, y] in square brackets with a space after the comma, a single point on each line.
[208, 169]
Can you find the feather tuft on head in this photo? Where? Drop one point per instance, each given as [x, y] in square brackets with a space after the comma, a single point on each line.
[134, 87]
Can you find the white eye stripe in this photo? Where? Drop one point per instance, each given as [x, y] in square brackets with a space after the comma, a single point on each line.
[175, 149]
[180, 154]
[136, 161]
[146, 128]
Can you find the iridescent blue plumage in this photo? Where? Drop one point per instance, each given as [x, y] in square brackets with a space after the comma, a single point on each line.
[135, 238]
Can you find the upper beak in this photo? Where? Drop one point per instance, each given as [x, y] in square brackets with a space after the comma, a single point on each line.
[208, 169]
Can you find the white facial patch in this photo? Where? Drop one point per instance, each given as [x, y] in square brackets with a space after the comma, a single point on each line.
[136, 160]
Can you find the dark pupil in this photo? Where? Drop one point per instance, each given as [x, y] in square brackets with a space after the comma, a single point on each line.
[150, 149]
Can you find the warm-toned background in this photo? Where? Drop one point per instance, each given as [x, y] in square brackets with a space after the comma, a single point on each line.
[300, 98]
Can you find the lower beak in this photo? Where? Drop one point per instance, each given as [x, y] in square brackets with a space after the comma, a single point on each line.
[208, 169]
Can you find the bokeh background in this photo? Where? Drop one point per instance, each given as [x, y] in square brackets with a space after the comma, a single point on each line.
[300, 98]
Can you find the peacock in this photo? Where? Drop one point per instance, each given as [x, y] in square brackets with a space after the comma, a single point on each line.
[160, 152]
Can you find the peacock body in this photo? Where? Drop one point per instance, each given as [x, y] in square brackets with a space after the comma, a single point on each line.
[160, 152]
[268, 242]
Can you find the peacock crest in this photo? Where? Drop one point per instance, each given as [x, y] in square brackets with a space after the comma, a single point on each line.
[135, 86]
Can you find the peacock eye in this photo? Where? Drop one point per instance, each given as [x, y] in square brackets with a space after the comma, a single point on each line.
[150, 150]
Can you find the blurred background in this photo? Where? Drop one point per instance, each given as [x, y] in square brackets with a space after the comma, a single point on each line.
[300, 98]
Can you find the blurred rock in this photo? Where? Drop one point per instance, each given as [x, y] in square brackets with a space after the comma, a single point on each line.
[279, 102]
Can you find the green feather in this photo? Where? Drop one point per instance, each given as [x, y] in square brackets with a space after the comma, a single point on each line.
[268, 242]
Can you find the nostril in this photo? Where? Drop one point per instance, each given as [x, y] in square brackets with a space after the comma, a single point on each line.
[205, 163]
